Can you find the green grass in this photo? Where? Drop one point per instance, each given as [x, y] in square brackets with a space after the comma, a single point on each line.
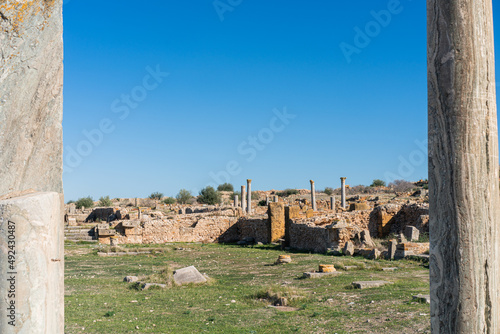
[244, 282]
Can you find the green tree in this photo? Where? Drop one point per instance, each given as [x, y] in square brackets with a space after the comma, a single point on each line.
[169, 200]
[183, 196]
[105, 201]
[328, 191]
[225, 187]
[87, 202]
[209, 196]
[156, 195]
[378, 183]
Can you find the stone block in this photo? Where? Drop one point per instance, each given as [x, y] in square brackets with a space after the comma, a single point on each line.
[276, 221]
[106, 232]
[188, 275]
[423, 298]
[369, 284]
[146, 286]
[348, 248]
[326, 268]
[392, 249]
[130, 224]
[131, 279]
[36, 269]
[412, 233]
[313, 274]
[359, 206]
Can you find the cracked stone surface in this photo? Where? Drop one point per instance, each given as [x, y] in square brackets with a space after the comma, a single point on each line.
[31, 79]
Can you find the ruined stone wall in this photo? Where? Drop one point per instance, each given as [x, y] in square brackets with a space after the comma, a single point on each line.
[308, 236]
[257, 228]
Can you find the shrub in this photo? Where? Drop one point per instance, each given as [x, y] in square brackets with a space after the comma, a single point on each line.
[169, 200]
[209, 196]
[156, 195]
[378, 183]
[328, 191]
[288, 192]
[401, 185]
[238, 193]
[105, 201]
[262, 203]
[87, 202]
[69, 202]
[225, 187]
[255, 196]
[183, 196]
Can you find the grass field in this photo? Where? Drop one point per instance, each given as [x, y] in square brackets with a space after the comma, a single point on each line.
[243, 284]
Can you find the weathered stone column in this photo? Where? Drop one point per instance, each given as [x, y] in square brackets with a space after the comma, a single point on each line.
[243, 198]
[463, 168]
[31, 192]
[267, 200]
[236, 204]
[276, 222]
[249, 196]
[32, 275]
[342, 192]
[332, 203]
[313, 196]
[276, 198]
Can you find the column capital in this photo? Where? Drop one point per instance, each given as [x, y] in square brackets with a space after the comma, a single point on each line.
[249, 180]
[343, 178]
[312, 182]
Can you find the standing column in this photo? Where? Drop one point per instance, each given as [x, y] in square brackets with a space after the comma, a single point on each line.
[267, 200]
[313, 196]
[276, 198]
[236, 201]
[249, 196]
[463, 167]
[243, 198]
[342, 192]
[332, 203]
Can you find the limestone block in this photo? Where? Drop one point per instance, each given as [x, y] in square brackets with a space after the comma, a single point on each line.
[412, 233]
[31, 79]
[359, 206]
[36, 270]
[392, 249]
[349, 249]
[276, 221]
[369, 284]
[188, 275]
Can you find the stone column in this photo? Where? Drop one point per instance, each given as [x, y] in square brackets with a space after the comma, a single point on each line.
[342, 192]
[32, 277]
[313, 196]
[267, 200]
[276, 198]
[332, 203]
[31, 149]
[236, 201]
[243, 198]
[464, 196]
[249, 196]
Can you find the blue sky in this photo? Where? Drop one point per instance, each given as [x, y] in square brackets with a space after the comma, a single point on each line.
[167, 95]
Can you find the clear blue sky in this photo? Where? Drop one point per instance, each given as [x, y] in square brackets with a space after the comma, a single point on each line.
[356, 102]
